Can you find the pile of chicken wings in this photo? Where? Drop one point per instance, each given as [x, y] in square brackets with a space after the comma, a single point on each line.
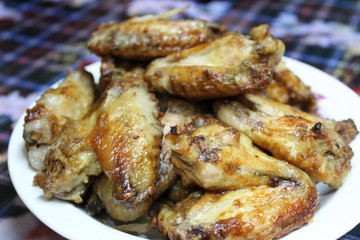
[203, 132]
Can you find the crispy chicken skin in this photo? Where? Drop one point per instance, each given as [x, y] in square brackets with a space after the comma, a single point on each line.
[219, 158]
[287, 88]
[257, 197]
[261, 212]
[120, 210]
[178, 113]
[127, 139]
[70, 162]
[71, 100]
[120, 136]
[115, 209]
[345, 128]
[150, 36]
[227, 66]
[304, 140]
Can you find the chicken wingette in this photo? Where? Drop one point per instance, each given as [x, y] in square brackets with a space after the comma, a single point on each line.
[309, 142]
[69, 101]
[151, 36]
[227, 66]
[178, 113]
[127, 139]
[256, 197]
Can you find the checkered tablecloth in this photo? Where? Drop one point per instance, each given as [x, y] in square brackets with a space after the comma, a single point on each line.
[40, 40]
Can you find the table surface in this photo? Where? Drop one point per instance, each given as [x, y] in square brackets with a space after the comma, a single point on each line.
[41, 40]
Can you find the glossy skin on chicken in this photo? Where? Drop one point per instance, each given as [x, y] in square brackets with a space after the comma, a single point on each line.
[111, 138]
[257, 197]
[226, 66]
[296, 138]
[345, 128]
[151, 36]
[117, 210]
[219, 158]
[127, 139]
[120, 211]
[71, 100]
[178, 112]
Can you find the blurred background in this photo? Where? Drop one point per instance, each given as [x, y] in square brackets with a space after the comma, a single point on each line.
[41, 40]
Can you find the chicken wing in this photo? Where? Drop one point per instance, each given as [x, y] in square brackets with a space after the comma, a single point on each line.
[71, 100]
[150, 36]
[121, 133]
[302, 139]
[258, 197]
[227, 66]
[127, 139]
[70, 161]
[345, 128]
[287, 88]
[219, 158]
[178, 113]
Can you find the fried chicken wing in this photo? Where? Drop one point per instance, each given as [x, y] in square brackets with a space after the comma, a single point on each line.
[302, 139]
[178, 113]
[150, 36]
[345, 128]
[287, 88]
[226, 66]
[70, 162]
[71, 100]
[219, 158]
[120, 136]
[257, 197]
[127, 139]
[261, 212]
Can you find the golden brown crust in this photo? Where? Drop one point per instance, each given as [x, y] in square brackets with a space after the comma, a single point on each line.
[76, 91]
[113, 135]
[56, 107]
[239, 214]
[219, 158]
[149, 36]
[306, 141]
[127, 140]
[226, 66]
[257, 196]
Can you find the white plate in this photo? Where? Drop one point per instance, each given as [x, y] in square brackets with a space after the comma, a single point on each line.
[338, 212]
